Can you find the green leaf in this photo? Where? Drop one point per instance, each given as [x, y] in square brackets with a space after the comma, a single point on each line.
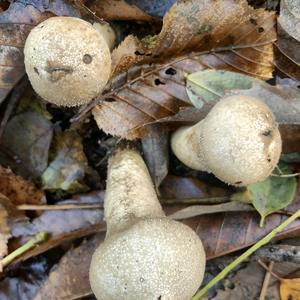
[270, 195]
[205, 88]
[210, 85]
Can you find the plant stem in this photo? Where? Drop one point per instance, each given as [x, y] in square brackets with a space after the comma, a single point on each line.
[37, 239]
[246, 254]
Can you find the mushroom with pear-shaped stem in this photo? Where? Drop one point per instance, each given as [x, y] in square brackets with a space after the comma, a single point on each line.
[238, 141]
[145, 255]
[67, 61]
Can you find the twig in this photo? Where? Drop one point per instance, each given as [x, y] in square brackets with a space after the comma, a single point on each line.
[265, 285]
[58, 206]
[204, 200]
[285, 175]
[269, 270]
[39, 238]
[246, 254]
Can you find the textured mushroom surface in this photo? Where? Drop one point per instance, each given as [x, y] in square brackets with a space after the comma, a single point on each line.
[67, 61]
[238, 141]
[153, 259]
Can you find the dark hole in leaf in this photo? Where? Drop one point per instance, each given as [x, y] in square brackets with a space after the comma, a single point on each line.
[87, 59]
[170, 71]
[157, 81]
[110, 100]
[253, 21]
[138, 53]
[260, 29]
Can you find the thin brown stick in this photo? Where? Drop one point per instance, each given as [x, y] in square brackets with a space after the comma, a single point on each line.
[59, 206]
[269, 270]
[266, 282]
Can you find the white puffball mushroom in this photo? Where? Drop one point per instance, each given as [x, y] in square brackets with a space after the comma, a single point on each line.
[238, 141]
[67, 61]
[145, 255]
[107, 32]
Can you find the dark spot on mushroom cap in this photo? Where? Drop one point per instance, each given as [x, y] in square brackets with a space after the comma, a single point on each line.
[87, 59]
[238, 182]
[36, 70]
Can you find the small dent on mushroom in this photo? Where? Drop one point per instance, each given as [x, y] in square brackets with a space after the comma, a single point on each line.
[87, 59]
[36, 70]
[56, 71]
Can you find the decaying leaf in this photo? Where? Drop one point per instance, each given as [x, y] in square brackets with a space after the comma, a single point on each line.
[19, 190]
[63, 221]
[69, 165]
[156, 154]
[290, 289]
[25, 144]
[15, 24]
[117, 10]
[223, 35]
[288, 44]
[70, 278]
[4, 227]
[270, 195]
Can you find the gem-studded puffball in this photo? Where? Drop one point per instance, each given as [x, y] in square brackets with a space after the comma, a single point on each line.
[238, 141]
[67, 61]
[153, 259]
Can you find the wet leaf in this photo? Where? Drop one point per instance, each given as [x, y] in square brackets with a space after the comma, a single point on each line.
[70, 278]
[156, 153]
[270, 195]
[69, 165]
[237, 38]
[290, 289]
[25, 144]
[15, 24]
[19, 190]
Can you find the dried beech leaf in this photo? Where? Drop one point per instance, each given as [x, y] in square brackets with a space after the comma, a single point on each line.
[226, 35]
[19, 190]
[70, 278]
[110, 10]
[290, 289]
[15, 24]
[246, 33]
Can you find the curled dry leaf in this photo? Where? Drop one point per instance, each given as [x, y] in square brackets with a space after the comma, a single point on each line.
[288, 43]
[15, 24]
[222, 34]
[19, 190]
[65, 281]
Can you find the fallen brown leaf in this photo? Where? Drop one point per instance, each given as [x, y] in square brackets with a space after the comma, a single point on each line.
[226, 35]
[116, 10]
[19, 190]
[15, 24]
[70, 278]
[5, 233]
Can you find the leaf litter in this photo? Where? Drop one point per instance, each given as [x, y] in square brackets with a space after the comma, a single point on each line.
[148, 86]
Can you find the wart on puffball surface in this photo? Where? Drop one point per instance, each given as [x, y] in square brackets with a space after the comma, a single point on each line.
[67, 61]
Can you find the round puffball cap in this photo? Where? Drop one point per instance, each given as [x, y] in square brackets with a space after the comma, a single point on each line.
[153, 259]
[241, 140]
[67, 61]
